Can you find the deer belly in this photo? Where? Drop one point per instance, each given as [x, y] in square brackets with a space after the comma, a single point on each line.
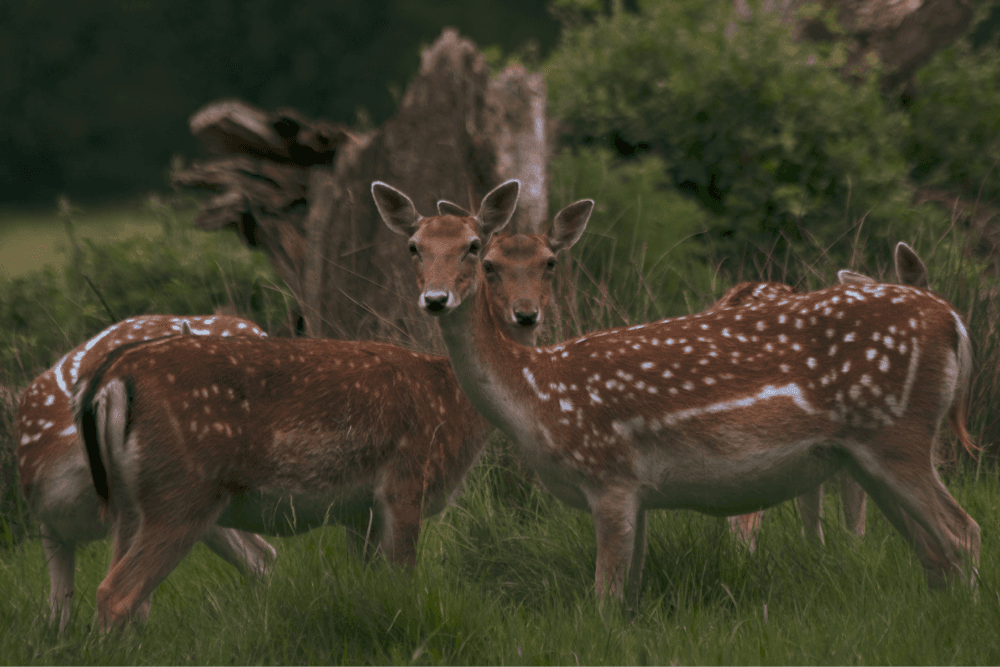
[564, 485]
[726, 483]
[284, 513]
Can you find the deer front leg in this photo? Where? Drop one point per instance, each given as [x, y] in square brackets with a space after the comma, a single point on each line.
[61, 559]
[811, 509]
[617, 527]
[746, 527]
[400, 511]
[638, 559]
[854, 501]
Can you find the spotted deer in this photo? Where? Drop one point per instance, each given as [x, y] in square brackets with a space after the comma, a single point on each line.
[722, 412]
[910, 270]
[281, 436]
[55, 477]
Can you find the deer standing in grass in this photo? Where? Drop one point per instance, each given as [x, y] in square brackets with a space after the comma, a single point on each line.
[54, 474]
[910, 270]
[281, 436]
[723, 412]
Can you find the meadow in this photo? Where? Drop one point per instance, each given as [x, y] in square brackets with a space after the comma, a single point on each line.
[505, 575]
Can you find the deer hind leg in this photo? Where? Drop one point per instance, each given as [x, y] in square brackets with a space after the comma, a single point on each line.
[854, 501]
[152, 553]
[61, 559]
[904, 484]
[746, 527]
[617, 515]
[811, 510]
[249, 553]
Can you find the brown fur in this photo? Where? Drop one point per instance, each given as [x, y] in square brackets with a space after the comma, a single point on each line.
[53, 471]
[723, 412]
[277, 436]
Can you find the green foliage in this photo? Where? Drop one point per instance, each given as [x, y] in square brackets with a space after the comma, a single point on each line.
[643, 235]
[955, 122]
[762, 130]
[95, 94]
[503, 580]
[46, 312]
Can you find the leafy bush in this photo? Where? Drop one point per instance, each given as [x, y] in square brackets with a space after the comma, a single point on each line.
[642, 236]
[763, 131]
[954, 134]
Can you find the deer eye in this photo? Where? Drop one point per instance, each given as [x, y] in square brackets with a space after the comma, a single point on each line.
[413, 249]
[551, 263]
[474, 247]
[488, 267]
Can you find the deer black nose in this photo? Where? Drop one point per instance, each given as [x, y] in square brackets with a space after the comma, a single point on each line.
[526, 319]
[435, 301]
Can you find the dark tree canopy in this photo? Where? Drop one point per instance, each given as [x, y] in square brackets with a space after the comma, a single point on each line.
[95, 96]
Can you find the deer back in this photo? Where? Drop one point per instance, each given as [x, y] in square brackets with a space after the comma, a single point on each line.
[46, 434]
[825, 364]
[306, 416]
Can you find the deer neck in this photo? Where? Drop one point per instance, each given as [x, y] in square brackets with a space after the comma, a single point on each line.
[485, 360]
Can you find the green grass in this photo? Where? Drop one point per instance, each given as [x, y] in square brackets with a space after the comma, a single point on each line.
[32, 238]
[506, 576]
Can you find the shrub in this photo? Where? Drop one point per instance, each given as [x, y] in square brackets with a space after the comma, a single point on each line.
[954, 136]
[49, 311]
[761, 130]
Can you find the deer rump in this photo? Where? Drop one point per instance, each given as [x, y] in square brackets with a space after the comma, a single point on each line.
[272, 452]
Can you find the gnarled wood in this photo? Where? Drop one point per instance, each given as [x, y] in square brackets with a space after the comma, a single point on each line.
[298, 188]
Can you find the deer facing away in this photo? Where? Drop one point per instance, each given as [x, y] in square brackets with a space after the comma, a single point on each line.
[280, 436]
[55, 477]
[723, 412]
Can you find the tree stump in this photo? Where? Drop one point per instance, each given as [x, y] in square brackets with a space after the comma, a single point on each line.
[299, 189]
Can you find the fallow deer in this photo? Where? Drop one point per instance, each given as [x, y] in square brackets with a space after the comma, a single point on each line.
[281, 436]
[910, 270]
[55, 477]
[722, 412]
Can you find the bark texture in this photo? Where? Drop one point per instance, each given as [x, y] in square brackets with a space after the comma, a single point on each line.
[299, 189]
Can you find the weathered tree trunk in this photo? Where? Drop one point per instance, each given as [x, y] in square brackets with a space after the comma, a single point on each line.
[300, 189]
[904, 34]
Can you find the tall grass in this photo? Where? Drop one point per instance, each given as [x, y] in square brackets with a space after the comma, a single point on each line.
[506, 574]
[511, 582]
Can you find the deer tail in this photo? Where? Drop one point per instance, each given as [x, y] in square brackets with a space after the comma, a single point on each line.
[959, 413]
[100, 410]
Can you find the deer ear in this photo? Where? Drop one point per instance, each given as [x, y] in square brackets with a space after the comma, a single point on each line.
[845, 277]
[498, 207]
[909, 269]
[569, 223]
[446, 207]
[396, 209]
